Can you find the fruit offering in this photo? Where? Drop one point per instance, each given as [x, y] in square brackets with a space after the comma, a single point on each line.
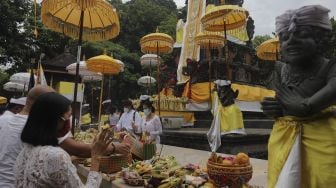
[239, 159]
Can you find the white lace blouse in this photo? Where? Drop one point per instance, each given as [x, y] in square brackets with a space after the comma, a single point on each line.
[48, 166]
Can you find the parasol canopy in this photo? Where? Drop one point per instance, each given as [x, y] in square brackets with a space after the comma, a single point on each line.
[269, 50]
[146, 81]
[104, 64]
[21, 78]
[15, 87]
[228, 18]
[149, 60]
[83, 71]
[156, 43]
[210, 39]
[233, 16]
[122, 65]
[100, 21]
[3, 100]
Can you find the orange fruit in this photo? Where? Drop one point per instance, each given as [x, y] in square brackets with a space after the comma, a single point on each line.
[226, 162]
[242, 158]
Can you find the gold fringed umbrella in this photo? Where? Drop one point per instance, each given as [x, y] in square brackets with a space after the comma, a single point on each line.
[92, 20]
[269, 50]
[209, 40]
[226, 18]
[105, 65]
[157, 43]
[100, 19]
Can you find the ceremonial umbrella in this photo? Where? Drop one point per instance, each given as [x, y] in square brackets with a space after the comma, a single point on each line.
[21, 78]
[15, 87]
[146, 81]
[226, 18]
[105, 65]
[157, 43]
[91, 20]
[3, 100]
[149, 60]
[84, 72]
[269, 50]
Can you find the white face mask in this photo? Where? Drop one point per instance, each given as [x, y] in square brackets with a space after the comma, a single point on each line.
[147, 111]
[126, 109]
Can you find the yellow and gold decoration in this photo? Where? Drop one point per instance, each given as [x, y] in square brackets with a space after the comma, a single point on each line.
[190, 49]
[269, 50]
[227, 18]
[64, 16]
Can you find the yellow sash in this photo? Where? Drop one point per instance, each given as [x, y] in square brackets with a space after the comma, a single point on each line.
[318, 149]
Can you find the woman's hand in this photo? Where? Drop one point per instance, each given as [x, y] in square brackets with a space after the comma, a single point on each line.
[99, 146]
[101, 142]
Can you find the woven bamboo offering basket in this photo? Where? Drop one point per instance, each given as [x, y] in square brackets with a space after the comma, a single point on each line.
[233, 176]
[114, 163]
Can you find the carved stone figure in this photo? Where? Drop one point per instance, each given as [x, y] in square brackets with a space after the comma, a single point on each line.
[302, 145]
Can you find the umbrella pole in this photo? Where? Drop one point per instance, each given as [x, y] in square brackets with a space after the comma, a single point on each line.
[158, 75]
[81, 20]
[150, 74]
[210, 98]
[276, 54]
[226, 52]
[100, 102]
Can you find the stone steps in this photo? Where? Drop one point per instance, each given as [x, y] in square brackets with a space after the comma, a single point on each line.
[254, 143]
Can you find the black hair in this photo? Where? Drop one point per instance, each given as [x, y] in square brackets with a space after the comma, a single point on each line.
[41, 126]
[149, 104]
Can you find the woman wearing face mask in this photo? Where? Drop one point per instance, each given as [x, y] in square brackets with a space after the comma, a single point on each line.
[130, 120]
[42, 163]
[151, 124]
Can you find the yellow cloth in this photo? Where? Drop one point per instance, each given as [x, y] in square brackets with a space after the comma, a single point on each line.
[318, 149]
[200, 92]
[104, 118]
[187, 116]
[86, 119]
[230, 117]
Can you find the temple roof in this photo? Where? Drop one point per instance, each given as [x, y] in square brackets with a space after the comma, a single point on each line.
[60, 62]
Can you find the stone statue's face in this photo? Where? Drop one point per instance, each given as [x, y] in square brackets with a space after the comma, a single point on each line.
[299, 46]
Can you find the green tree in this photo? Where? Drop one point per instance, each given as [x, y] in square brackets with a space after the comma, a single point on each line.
[257, 40]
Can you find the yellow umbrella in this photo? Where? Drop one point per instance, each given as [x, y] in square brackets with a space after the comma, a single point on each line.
[3, 100]
[269, 50]
[209, 40]
[93, 20]
[103, 64]
[157, 43]
[229, 16]
[226, 18]
[100, 20]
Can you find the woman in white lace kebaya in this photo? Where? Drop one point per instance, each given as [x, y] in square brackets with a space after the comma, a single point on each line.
[42, 163]
[151, 123]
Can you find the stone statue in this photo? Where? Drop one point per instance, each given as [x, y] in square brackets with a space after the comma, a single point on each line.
[303, 137]
[226, 94]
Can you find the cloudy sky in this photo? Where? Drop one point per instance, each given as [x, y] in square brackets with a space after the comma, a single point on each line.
[264, 11]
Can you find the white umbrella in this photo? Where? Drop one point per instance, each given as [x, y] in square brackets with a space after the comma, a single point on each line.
[84, 72]
[97, 77]
[148, 60]
[121, 64]
[15, 87]
[21, 78]
[146, 81]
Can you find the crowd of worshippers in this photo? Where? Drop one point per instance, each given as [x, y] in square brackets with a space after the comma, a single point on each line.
[37, 143]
